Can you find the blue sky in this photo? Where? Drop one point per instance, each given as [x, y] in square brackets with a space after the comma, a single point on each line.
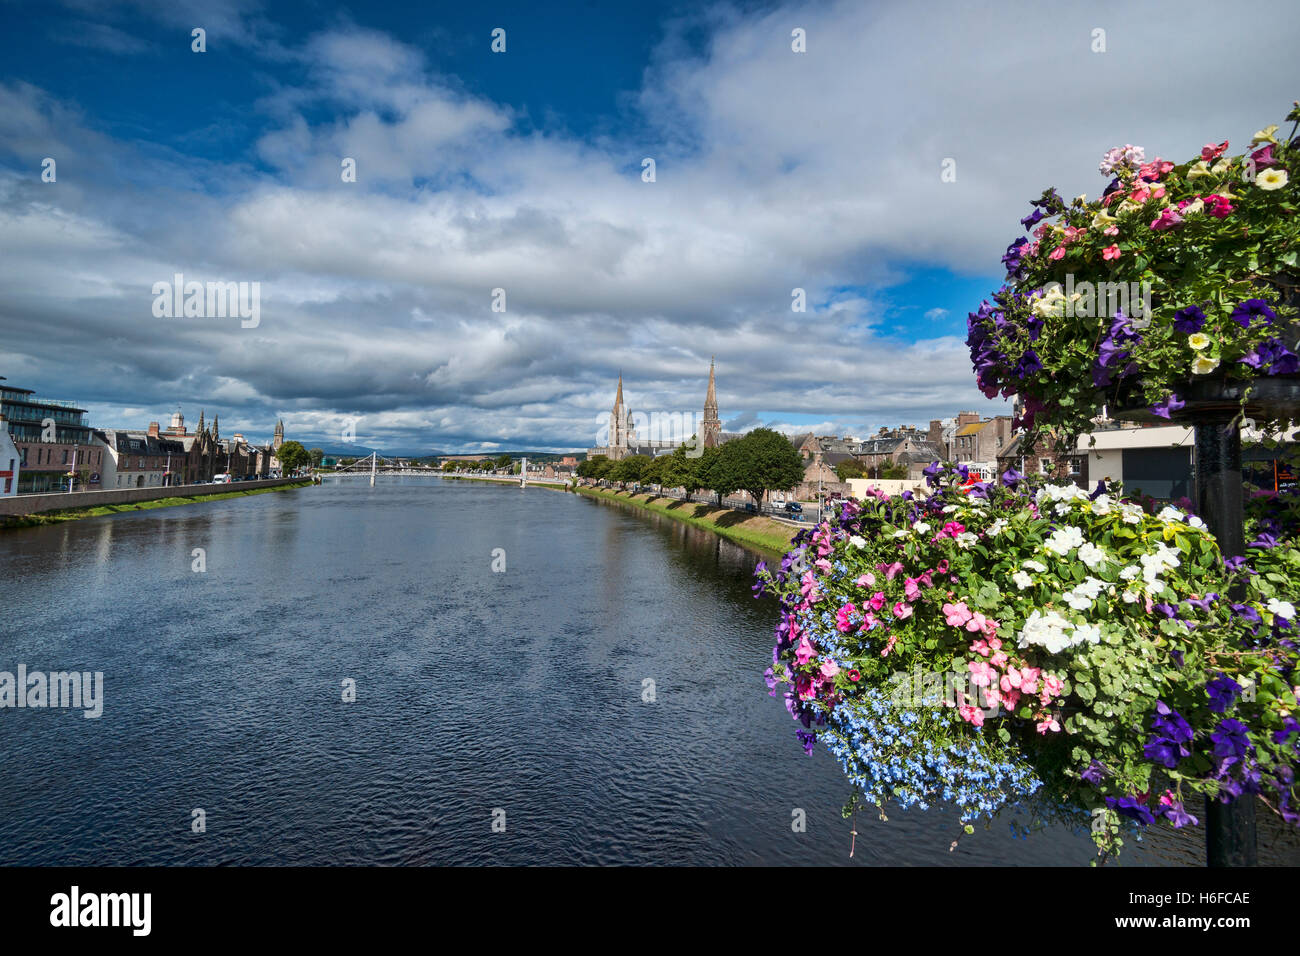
[521, 170]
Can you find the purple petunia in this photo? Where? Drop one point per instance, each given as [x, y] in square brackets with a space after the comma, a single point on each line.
[1190, 319]
[1223, 691]
[1131, 807]
[1171, 404]
[1252, 309]
[1012, 478]
[1177, 815]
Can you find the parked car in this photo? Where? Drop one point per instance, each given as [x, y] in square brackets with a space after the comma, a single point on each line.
[221, 479]
[793, 507]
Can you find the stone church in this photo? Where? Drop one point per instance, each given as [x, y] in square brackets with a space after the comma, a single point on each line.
[623, 440]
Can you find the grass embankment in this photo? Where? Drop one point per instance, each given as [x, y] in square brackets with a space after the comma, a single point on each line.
[754, 531]
[75, 514]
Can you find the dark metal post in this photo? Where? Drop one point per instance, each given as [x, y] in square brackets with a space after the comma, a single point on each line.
[1229, 828]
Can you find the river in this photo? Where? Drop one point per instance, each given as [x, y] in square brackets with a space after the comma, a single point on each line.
[598, 701]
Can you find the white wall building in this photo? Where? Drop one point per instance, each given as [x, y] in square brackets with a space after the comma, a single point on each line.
[10, 461]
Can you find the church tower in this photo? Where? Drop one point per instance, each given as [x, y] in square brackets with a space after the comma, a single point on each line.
[710, 426]
[620, 430]
[278, 440]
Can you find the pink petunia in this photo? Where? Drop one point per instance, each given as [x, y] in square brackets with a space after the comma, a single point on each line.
[910, 589]
[1057, 253]
[972, 715]
[865, 581]
[1209, 151]
[1110, 252]
[1048, 724]
[877, 601]
[804, 652]
[902, 611]
[957, 614]
[982, 675]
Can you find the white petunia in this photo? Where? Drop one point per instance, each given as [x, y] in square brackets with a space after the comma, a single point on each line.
[1090, 633]
[1022, 580]
[921, 528]
[1064, 540]
[966, 540]
[1036, 566]
[1129, 573]
[1091, 555]
[1283, 609]
[997, 527]
[857, 541]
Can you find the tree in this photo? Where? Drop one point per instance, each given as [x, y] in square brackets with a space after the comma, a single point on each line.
[592, 467]
[849, 468]
[502, 462]
[316, 455]
[629, 469]
[653, 474]
[293, 456]
[449, 466]
[682, 471]
[716, 470]
[762, 461]
[893, 470]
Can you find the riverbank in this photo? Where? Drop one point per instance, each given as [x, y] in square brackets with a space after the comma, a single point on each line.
[557, 483]
[76, 514]
[760, 533]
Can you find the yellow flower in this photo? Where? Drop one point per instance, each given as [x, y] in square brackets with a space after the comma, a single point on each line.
[1204, 365]
[1103, 219]
[1201, 168]
[1198, 340]
[1222, 166]
[1271, 179]
[1265, 135]
[1194, 207]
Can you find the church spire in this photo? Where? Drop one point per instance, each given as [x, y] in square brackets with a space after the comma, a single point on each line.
[710, 426]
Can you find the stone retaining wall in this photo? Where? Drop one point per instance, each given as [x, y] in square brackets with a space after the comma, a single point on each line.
[36, 504]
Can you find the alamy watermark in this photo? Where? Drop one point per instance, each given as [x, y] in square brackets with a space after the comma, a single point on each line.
[212, 300]
[64, 689]
[916, 689]
[1088, 299]
[656, 430]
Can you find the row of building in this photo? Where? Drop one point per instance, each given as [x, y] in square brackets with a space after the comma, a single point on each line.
[48, 445]
[1155, 460]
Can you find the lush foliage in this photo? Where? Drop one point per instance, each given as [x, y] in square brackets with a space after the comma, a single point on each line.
[997, 642]
[1178, 272]
[292, 456]
[758, 462]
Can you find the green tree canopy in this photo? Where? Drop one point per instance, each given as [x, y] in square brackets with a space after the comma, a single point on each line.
[761, 461]
[849, 468]
[316, 455]
[293, 456]
[503, 461]
[653, 473]
[629, 468]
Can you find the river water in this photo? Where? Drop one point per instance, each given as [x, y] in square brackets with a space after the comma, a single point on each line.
[500, 717]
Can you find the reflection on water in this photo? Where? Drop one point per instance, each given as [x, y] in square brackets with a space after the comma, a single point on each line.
[522, 691]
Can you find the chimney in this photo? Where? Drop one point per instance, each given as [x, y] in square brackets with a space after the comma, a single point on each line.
[967, 418]
[153, 429]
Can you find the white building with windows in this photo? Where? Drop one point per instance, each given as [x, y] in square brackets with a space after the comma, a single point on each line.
[11, 462]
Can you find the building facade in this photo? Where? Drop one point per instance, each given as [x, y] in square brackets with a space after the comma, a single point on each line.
[53, 442]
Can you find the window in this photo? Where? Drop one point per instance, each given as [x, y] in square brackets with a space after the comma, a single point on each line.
[65, 456]
[1044, 466]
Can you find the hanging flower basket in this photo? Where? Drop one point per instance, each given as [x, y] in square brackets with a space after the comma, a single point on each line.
[1177, 285]
[1006, 643]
